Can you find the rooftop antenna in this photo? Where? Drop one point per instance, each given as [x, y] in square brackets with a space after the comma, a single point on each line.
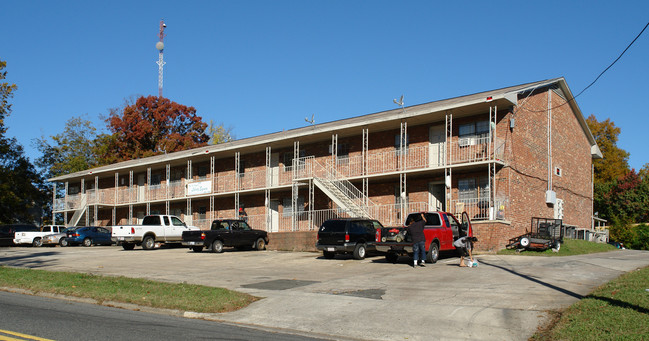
[160, 46]
[312, 120]
[400, 103]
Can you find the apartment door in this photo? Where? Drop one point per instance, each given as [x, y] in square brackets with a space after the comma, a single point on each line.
[437, 196]
[141, 188]
[437, 136]
[274, 169]
[274, 216]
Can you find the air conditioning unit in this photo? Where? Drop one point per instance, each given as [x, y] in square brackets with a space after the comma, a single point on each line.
[467, 141]
[550, 197]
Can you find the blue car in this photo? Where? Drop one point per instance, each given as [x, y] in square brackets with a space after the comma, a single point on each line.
[87, 236]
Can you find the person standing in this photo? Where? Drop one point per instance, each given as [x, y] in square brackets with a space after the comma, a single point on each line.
[416, 232]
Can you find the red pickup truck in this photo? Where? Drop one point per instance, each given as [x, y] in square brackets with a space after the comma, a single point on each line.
[441, 230]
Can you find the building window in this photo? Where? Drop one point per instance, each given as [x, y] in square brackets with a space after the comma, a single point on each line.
[288, 158]
[155, 180]
[471, 133]
[288, 209]
[202, 171]
[242, 168]
[397, 143]
[474, 188]
[398, 198]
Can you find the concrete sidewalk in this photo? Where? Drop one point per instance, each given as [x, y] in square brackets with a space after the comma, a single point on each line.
[505, 298]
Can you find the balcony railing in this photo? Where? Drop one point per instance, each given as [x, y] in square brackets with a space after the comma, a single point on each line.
[462, 150]
[481, 208]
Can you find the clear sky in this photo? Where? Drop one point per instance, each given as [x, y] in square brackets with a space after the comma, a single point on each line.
[263, 66]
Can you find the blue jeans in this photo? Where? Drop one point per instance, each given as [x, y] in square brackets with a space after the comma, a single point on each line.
[419, 251]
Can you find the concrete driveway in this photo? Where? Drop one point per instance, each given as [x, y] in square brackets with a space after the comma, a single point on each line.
[505, 298]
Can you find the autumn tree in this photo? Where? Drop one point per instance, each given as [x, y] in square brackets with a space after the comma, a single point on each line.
[152, 126]
[23, 194]
[616, 160]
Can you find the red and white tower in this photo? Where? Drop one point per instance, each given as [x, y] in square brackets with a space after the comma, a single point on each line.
[160, 46]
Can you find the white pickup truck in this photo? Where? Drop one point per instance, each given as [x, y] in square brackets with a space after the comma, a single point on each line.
[36, 237]
[155, 229]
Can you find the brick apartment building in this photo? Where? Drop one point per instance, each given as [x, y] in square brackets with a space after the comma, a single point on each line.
[503, 156]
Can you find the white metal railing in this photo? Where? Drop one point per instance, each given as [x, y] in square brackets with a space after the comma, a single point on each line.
[481, 208]
[336, 179]
[476, 149]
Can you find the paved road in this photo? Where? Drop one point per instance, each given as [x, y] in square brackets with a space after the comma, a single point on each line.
[505, 298]
[55, 319]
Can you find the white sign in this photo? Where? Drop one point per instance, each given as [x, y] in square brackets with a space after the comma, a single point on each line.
[201, 187]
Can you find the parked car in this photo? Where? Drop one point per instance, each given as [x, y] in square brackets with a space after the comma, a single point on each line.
[87, 236]
[226, 232]
[7, 232]
[55, 238]
[354, 235]
[441, 230]
[35, 237]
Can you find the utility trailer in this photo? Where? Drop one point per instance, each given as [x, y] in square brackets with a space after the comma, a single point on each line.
[544, 233]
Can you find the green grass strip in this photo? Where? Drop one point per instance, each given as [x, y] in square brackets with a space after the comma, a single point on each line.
[570, 247]
[186, 297]
[618, 310]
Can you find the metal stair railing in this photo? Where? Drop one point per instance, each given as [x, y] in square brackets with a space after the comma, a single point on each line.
[348, 194]
[76, 217]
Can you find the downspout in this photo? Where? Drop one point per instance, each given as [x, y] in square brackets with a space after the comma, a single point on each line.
[549, 139]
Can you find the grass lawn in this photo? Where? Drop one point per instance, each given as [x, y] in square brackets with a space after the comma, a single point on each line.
[186, 297]
[569, 247]
[618, 310]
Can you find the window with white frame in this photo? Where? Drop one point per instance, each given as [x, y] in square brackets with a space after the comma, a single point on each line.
[288, 206]
[474, 188]
[471, 133]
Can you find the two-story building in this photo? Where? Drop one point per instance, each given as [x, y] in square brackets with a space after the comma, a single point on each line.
[503, 156]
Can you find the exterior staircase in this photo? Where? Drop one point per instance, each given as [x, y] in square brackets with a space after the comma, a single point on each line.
[78, 214]
[342, 192]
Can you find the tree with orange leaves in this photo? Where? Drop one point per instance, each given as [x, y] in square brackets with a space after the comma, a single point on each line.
[153, 126]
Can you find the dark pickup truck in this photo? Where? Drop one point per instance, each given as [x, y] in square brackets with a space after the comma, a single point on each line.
[226, 232]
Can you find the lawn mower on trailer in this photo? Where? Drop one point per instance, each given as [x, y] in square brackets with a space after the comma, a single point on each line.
[544, 233]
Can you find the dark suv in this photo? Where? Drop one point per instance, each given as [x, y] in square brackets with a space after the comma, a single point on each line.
[353, 235]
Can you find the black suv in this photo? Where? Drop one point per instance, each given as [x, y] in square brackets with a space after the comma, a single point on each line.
[353, 235]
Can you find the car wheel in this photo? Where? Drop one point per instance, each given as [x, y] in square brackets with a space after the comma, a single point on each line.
[359, 251]
[391, 257]
[148, 243]
[37, 242]
[525, 242]
[128, 246]
[197, 248]
[87, 242]
[63, 242]
[217, 246]
[328, 254]
[260, 244]
[433, 253]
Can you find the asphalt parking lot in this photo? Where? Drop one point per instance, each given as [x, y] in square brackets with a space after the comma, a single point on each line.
[505, 298]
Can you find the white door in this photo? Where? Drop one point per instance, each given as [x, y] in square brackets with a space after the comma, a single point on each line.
[436, 196]
[274, 216]
[274, 169]
[140, 188]
[437, 136]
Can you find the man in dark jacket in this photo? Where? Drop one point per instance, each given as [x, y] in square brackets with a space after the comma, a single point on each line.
[416, 232]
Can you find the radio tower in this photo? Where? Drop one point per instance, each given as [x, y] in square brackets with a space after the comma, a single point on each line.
[160, 46]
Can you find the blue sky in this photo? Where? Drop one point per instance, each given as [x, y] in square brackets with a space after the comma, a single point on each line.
[263, 66]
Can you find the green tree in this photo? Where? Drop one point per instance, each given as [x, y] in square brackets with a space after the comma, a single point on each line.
[616, 160]
[73, 150]
[152, 126]
[219, 133]
[23, 194]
